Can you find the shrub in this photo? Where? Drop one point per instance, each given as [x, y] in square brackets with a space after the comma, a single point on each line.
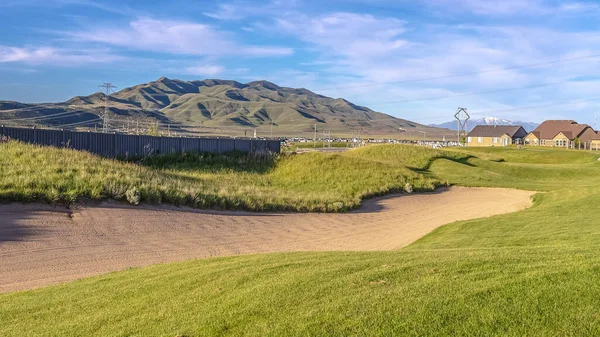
[133, 195]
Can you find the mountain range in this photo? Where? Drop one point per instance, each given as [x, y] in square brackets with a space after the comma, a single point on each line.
[528, 126]
[218, 107]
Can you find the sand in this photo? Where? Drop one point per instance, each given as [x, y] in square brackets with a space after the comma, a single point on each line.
[42, 245]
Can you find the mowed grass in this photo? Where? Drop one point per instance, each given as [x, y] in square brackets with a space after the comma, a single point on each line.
[308, 182]
[534, 273]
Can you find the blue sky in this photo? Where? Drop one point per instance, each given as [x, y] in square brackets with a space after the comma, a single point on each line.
[517, 59]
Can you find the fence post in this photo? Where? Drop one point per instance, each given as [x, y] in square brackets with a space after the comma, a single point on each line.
[160, 141]
[219, 145]
[139, 151]
[89, 144]
[181, 144]
[34, 136]
[115, 144]
[64, 142]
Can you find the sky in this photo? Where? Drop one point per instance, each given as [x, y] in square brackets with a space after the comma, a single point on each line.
[527, 60]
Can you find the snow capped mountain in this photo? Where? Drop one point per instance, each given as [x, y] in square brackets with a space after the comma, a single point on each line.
[528, 126]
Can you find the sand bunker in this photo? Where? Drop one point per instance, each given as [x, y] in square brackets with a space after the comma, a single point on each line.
[41, 245]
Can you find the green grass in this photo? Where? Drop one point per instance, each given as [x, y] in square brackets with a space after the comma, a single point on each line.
[308, 182]
[534, 272]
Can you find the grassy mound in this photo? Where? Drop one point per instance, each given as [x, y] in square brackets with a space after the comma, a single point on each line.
[307, 182]
[533, 273]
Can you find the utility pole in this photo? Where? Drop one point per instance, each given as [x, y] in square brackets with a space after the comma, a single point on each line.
[462, 117]
[107, 89]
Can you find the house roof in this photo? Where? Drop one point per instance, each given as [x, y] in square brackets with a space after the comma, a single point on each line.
[596, 135]
[567, 134]
[536, 134]
[549, 129]
[494, 130]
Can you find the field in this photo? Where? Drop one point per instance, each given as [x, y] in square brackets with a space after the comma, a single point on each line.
[533, 272]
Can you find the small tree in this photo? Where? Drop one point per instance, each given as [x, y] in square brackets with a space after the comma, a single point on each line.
[153, 130]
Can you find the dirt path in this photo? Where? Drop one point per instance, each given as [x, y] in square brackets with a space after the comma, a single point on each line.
[41, 245]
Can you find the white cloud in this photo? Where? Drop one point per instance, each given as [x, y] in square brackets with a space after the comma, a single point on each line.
[54, 56]
[205, 70]
[512, 7]
[121, 9]
[347, 34]
[378, 61]
[227, 12]
[175, 37]
[239, 10]
[492, 7]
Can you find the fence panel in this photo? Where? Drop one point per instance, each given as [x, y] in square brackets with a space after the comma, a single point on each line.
[102, 144]
[190, 144]
[127, 146]
[208, 145]
[24, 135]
[170, 145]
[260, 146]
[243, 145]
[77, 140]
[112, 144]
[49, 137]
[148, 145]
[274, 146]
[226, 145]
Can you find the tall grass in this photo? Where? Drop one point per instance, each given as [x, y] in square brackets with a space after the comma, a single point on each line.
[308, 182]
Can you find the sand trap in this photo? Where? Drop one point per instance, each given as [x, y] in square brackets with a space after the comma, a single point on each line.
[41, 245]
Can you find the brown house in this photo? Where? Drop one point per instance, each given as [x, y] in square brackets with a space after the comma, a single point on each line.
[496, 135]
[560, 133]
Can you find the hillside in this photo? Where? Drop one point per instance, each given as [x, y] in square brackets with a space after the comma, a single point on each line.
[528, 126]
[222, 106]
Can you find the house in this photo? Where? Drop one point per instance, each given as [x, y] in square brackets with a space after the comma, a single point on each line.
[595, 141]
[496, 135]
[560, 133]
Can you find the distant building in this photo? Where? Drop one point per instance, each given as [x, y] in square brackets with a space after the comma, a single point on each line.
[496, 135]
[561, 133]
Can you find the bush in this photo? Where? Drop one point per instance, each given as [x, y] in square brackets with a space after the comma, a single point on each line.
[133, 195]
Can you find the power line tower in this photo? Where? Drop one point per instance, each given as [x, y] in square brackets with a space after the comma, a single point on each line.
[107, 89]
[462, 116]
